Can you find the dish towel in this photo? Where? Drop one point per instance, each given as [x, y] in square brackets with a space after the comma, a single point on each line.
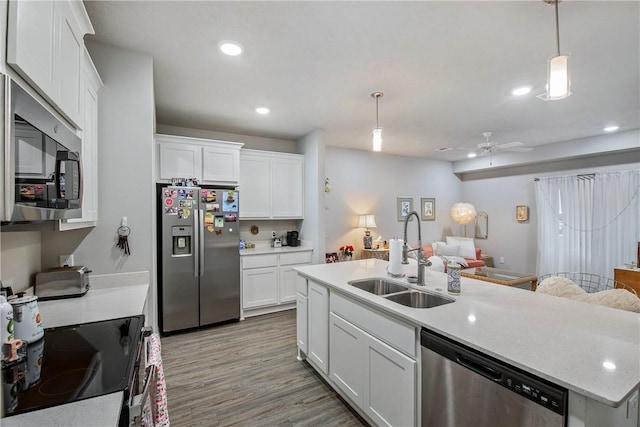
[156, 410]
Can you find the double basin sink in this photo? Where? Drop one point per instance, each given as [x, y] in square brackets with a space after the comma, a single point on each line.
[401, 294]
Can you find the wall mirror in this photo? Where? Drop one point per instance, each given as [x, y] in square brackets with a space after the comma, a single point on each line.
[482, 225]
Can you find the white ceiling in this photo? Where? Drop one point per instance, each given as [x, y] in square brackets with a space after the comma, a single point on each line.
[446, 68]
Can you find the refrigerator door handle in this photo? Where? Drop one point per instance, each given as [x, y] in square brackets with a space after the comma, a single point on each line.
[201, 239]
[196, 243]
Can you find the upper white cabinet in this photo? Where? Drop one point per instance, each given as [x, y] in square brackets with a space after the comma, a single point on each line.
[45, 46]
[91, 85]
[272, 185]
[209, 161]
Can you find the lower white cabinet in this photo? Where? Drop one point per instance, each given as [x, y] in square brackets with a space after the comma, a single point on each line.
[318, 326]
[259, 287]
[379, 379]
[301, 323]
[269, 282]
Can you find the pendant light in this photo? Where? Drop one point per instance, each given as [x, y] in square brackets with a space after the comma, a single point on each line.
[558, 79]
[377, 131]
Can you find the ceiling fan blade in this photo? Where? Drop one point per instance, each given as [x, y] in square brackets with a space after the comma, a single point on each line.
[509, 145]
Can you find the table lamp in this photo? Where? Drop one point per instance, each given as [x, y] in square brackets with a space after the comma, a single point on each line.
[367, 222]
[463, 214]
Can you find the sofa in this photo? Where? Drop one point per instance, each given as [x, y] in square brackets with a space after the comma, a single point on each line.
[453, 247]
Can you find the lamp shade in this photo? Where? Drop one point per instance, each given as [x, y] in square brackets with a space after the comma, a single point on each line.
[463, 213]
[377, 139]
[367, 221]
[558, 79]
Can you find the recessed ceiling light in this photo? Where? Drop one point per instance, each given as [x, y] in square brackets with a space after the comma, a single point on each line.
[609, 365]
[522, 90]
[472, 155]
[262, 110]
[230, 48]
[612, 128]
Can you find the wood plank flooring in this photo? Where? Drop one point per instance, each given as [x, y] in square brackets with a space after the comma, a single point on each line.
[246, 374]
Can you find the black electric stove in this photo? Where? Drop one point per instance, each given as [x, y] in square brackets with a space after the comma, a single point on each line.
[72, 363]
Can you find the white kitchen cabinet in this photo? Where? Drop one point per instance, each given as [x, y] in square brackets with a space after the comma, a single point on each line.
[210, 162]
[255, 187]
[287, 189]
[301, 324]
[220, 165]
[390, 385]
[45, 46]
[272, 184]
[259, 287]
[377, 378]
[91, 85]
[318, 326]
[180, 161]
[273, 291]
[347, 365]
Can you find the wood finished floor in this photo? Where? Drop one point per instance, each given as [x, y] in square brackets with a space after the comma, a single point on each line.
[246, 374]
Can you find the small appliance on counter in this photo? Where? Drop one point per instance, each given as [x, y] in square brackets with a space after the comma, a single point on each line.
[292, 238]
[62, 282]
[276, 242]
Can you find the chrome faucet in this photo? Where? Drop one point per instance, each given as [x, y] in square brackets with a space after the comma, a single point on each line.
[422, 262]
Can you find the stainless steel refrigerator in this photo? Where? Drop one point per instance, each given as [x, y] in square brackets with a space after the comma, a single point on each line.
[198, 258]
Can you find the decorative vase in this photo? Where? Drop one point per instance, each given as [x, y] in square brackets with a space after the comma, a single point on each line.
[343, 257]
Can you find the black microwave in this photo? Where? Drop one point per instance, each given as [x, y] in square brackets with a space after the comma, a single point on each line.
[42, 162]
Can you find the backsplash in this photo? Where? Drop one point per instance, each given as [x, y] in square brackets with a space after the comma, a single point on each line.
[265, 227]
[20, 258]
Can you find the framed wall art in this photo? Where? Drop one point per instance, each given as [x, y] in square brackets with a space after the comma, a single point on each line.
[522, 213]
[428, 209]
[405, 206]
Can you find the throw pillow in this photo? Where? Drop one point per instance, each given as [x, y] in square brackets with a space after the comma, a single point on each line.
[467, 247]
[448, 250]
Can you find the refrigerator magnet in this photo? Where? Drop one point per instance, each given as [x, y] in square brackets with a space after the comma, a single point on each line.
[170, 211]
[174, 193]
[168, 202]
[185, 203]
[166, 192]
[190, 194]
[219, 222]
[210, 228]
[230, 218]
[215, 207]
[181, 194]
[208, 218]
[218, 232]
[211, 196]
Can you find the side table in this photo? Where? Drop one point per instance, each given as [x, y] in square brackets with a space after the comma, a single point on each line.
[375, 253]
[488, 260]
[628, 276]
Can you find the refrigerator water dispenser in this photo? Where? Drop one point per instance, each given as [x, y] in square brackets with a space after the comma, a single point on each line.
[181, 240]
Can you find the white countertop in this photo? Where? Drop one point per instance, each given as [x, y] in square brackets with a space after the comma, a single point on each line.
[265, 249]
[98, 304]
[558, 339]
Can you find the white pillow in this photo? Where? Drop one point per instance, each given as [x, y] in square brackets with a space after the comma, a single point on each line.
[467, 247]
[448, 250]
[435, 245]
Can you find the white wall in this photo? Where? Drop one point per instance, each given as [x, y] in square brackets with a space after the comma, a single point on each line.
[253, 142]
[498, 193]
[20, 259]
[125, 160]
[367, 182]
[313, 226]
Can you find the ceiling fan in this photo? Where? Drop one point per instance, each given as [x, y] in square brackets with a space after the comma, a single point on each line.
[489, 147]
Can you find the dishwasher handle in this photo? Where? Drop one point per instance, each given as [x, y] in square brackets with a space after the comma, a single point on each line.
[479, 368]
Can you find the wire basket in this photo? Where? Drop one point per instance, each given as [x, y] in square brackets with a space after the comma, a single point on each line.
[590, 282]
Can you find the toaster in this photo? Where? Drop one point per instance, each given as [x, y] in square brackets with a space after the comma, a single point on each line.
[62, 282]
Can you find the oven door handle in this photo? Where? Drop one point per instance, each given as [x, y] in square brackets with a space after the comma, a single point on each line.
[136, 403]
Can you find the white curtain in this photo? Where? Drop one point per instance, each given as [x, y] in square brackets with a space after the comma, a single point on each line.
[587, 223]
[616, 218]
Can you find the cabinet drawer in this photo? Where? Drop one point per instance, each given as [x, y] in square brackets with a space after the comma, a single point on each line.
[395, 333]
[257, 261]
[295, 258]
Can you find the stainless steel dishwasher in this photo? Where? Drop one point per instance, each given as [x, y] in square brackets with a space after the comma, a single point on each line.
[462, 387]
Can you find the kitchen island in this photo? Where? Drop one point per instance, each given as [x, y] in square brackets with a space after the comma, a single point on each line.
[590, 350]
[108, 298]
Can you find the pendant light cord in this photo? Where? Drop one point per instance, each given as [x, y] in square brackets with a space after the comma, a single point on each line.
[557, 27]
[377, 97]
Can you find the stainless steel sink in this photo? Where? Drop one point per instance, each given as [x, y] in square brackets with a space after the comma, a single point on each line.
[417, 299]
[378, 286]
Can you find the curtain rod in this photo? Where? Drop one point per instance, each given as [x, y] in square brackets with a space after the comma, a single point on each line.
[579, 176]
